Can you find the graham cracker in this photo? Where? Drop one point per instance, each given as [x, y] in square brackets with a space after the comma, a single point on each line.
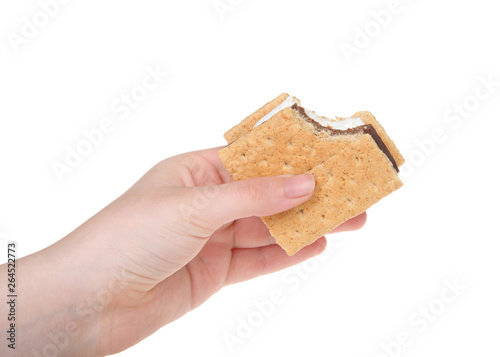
[351, 172]
[368, 118]
[248, 123]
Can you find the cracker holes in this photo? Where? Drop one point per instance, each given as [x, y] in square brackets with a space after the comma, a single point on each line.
[359, 160]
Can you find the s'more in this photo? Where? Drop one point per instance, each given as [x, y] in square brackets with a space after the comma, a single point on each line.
[354, 163]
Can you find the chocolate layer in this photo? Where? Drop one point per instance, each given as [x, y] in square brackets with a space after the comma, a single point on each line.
[363, 129]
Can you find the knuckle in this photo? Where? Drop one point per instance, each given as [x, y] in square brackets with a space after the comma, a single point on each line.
[194, 216]
[200, 227]
[252, 191]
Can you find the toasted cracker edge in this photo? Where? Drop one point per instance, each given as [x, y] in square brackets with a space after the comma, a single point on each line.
[375, 179]
[248, 123]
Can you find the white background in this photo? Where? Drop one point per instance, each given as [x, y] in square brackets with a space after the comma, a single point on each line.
[422, 65]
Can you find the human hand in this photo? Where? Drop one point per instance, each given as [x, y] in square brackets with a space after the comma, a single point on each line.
[176, 237]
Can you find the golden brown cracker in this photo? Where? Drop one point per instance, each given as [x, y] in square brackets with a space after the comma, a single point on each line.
[350, 171]
[368, 118]
[248, 123]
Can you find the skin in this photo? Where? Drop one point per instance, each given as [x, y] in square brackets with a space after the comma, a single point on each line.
[175, 238]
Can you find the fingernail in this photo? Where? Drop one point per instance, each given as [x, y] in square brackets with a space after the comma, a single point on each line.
[299, 186]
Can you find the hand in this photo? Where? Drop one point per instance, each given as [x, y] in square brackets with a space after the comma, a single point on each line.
[180, 234]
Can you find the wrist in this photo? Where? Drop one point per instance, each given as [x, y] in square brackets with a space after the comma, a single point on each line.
[56, 291]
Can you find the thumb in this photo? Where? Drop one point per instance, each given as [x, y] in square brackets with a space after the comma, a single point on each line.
[257, 196]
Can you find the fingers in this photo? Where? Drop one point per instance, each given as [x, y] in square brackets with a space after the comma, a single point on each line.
[212, 156]
[249, 263]
[257, 196]
[251, 233]
[352, 224]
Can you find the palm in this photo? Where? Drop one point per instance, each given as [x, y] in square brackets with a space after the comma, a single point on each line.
[238, 251]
